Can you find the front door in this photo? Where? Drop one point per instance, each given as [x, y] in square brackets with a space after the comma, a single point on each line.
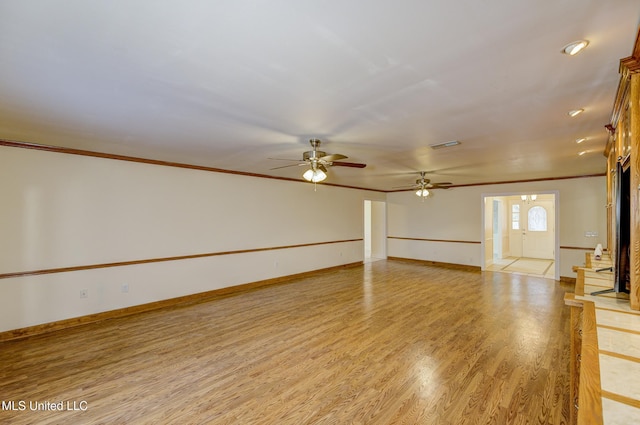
[538, 229]
[532, 228]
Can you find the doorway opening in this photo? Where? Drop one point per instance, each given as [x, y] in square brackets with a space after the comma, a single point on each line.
[520, 234]
[375, 231]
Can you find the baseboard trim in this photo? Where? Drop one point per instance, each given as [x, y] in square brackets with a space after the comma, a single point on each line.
[438, 264]
[157, 305]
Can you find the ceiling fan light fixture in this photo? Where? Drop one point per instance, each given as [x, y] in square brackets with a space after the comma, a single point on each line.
[423, 193]
[314, 175]
[575, 112]
[575, 47]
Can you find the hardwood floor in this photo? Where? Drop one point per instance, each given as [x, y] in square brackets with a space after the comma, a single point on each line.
[388, 342]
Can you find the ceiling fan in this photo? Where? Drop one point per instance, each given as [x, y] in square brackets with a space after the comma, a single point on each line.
[318, 162]
[423, 185]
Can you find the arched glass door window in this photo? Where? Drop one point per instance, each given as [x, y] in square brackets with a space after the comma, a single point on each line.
[537, 219]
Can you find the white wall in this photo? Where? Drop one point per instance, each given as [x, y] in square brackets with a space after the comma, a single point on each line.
[456, 214]
[61, 211]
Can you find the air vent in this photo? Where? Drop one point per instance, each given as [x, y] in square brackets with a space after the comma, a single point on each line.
[445, 144]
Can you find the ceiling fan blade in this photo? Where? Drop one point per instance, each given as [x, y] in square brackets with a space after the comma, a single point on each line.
[288, 165]
[285, 159]
[332, 157]
[349, 164]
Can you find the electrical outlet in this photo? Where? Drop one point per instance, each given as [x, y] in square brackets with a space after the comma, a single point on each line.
[124, 287]
[84, 293]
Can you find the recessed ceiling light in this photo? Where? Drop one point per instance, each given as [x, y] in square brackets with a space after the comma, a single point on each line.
[445, 144]
[580, 140]
[575, 47]
[575, 112]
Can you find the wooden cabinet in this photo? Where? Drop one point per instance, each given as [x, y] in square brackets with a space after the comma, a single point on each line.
[623, 152]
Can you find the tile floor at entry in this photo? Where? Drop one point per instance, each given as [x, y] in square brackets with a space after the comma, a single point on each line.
[526, 266]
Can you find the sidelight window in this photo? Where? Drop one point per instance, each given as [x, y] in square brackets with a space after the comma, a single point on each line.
[515, 216]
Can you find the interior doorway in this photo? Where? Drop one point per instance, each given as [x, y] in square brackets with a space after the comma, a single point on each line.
[520, 234]
[375, 230]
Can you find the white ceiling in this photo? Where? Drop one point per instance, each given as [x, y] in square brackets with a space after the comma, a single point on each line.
[229, 84]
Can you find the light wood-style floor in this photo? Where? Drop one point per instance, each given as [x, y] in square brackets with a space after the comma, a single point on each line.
[388, 342]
